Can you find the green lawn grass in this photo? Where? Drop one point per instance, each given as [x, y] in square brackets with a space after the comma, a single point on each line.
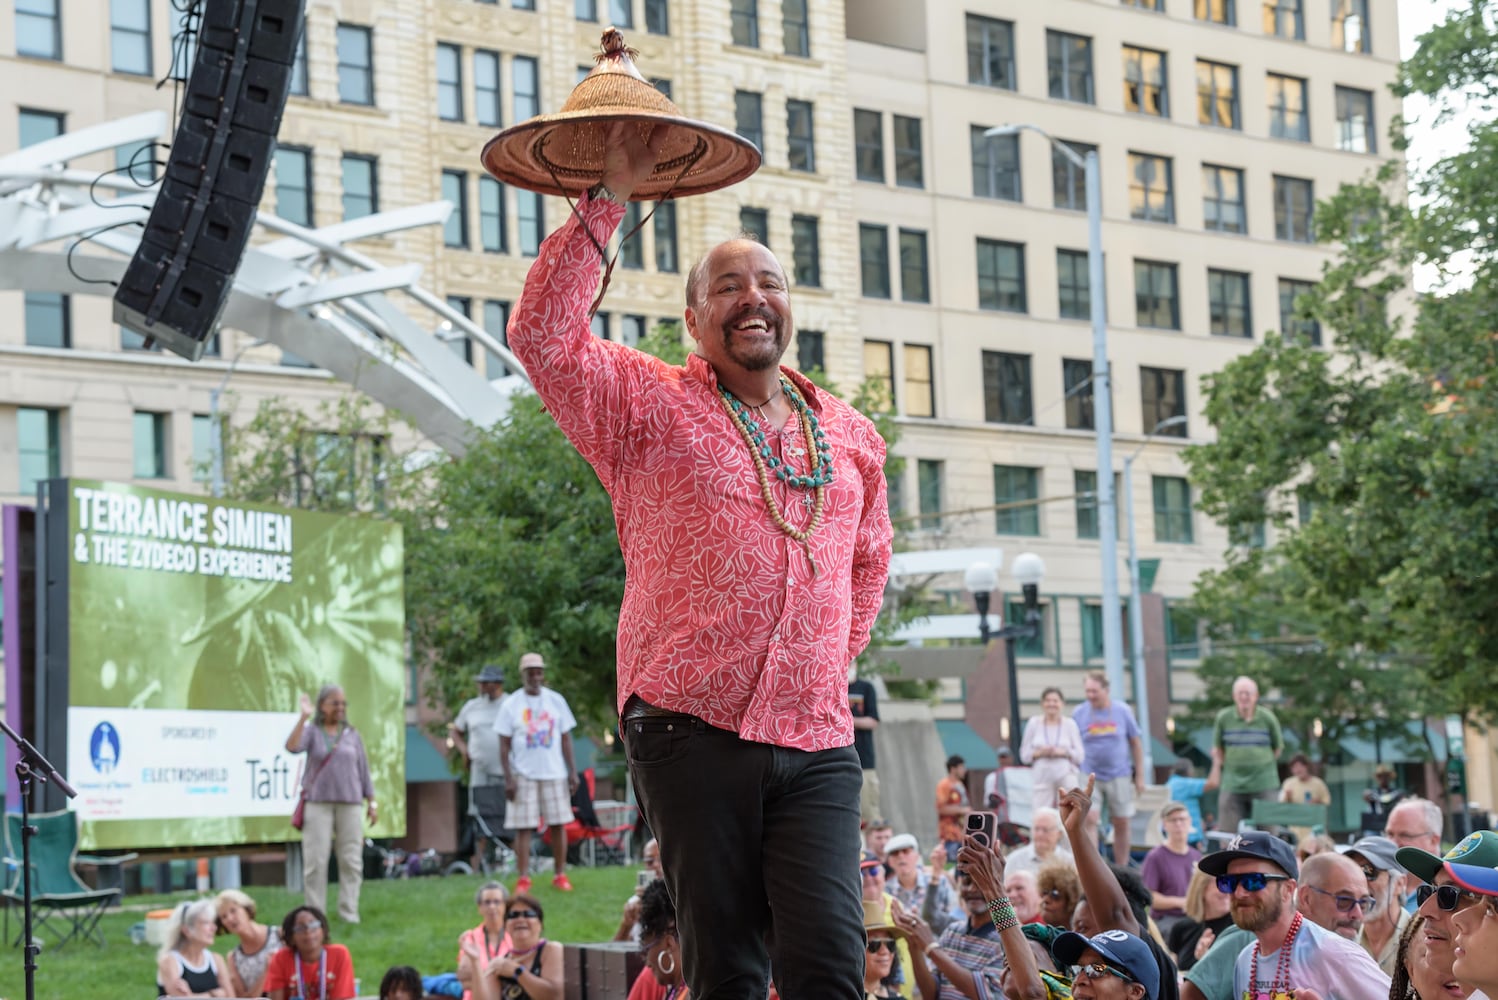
[402, 922]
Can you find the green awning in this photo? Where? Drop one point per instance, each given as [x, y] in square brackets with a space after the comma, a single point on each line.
[958, 739]
[1163, 754]
[584, 752]
[423, 762]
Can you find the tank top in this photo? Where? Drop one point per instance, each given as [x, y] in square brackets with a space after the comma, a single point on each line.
[512, 989]
[251, 968]
[198, 980]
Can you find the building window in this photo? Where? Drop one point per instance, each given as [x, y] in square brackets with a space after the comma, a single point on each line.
[1350, 26]
[920, 387]
[990, 52]
[1217, 95]
[49, 321]
[1146, 90]
[599, 325]
[201, 463]
[1355, 120]
[664, 226]
[1182, 628]
[449, 82]
[811, 350]
[662, 84]
[632, 330]
[621, 13]
[1216, 11]
[1162, 394]
[1222, 199]
[457, 341]
[1001, 276]
[793, 18]
[755, 221]
[492, 216]
[1294, 203]
[1020, 486]
[928, 476]
[1073, 281]
[184, 37]
[995, 165]
[1069, 66]
[873, 260]
[585, 10]
[299, 64]
[1007, 396]
[895, 486]
[806, 251]
[915, 281]
[909, 170]
[496, 317]
[745, 14]
[632, 242]
[879, 367]
[800, 136]
[531, 215]
[519, 4]
[38, 126]
[150, 445]
[657, 17]
[294, 184]
[39, 446]
[1155, 5]
[749, 117]
[1292, 323]
[1151, 193]
[1156, 300]
[1228, 303]
[1288, 117]
[355, 65]
[130, 36]
[455, 190]
[1285, 18]
[868, 145]
[1069, 180]
[1076, 384]
[1172, 509]
[360, 188]
[1084, 485]
[525, 76]
[39, 29]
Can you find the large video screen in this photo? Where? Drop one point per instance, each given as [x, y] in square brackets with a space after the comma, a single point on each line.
[194, 625]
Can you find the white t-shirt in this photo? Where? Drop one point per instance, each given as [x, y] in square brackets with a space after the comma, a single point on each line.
[1320, 960]
[476, 722]
[535, 724]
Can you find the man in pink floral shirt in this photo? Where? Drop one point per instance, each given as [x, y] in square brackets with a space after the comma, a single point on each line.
[752, 514]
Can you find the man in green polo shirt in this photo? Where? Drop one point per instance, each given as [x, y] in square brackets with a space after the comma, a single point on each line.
[1246, 745]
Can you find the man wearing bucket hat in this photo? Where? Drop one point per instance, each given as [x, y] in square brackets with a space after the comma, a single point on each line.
[1442, 897]
[752, 512]
[1258, 872]
[472, 734]
[1384, 923]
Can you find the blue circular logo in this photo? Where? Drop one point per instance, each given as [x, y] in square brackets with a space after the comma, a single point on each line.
[104, 748]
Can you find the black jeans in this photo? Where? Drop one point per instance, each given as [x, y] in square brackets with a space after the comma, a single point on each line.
[759, 849]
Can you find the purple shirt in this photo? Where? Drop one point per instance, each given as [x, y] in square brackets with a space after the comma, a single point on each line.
[1105, 739]
[345, 777]
[1169, 874]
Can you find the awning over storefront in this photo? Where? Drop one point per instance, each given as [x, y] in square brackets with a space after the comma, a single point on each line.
[423, 762]
[958, 739]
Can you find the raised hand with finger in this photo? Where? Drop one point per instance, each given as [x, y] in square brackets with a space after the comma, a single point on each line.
[1074, 804]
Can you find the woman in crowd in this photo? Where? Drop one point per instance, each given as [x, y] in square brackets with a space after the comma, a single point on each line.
[1207, 914]
[1059, 891]
[249, 958]
[185, 967]
[335, 783]
[532, 968]
[1052, 746]
[881, 972]
[662, 978]
[309, 966]
[1476, 926]
[486, 942]
[1422, 972]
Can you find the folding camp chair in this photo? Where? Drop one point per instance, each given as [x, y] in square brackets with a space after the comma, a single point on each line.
[62, 903]
[604, 824]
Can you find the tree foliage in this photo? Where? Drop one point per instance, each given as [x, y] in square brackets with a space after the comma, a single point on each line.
[1376, 460]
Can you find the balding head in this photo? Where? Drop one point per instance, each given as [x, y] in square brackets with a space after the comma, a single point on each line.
[1328, 883]
[698, 275]
[1245, 695]
[1415, 822]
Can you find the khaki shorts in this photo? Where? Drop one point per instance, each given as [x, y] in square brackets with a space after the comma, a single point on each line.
[1118, 793]
[868, 797]
[535, 800]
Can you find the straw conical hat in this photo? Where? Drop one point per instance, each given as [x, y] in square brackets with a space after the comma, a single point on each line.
[562, 153]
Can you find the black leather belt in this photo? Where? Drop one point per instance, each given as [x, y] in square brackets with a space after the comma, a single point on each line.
[638, 708]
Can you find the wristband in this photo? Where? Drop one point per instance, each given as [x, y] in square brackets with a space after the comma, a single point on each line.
[1001, 912]
[932, 947]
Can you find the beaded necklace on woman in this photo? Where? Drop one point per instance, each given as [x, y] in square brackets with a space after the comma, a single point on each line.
[818, 476]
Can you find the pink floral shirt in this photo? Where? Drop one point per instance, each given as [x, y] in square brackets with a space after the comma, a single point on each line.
[723, 617]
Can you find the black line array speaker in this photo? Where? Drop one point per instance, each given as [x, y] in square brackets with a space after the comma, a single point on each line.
[176, 285]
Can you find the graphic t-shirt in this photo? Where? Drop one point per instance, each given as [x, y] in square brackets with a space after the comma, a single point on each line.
[863, 702]
[1320, 960]
[288, 972]
[535, 724]
[1248, 749]
[1105, 738]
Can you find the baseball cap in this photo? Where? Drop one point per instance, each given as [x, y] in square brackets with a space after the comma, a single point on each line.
[1474, 877]
[1254, 844]
[1479, 848]
[1120, 948]
[901, 842]
[1378, 850]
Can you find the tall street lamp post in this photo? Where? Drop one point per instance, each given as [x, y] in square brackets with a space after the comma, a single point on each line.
[981, 578]
[1102, 392]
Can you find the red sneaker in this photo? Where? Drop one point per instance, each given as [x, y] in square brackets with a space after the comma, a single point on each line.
[523, 884]
[561, 884]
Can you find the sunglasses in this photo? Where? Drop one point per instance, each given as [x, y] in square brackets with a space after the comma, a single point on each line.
[872, 871]
[1346, 903]
[1251, 881]
[881, 944]
[306, 928]
[1097, 970]
[1371, 874]
[522, 915]
[1448, 897]
[1052, 894]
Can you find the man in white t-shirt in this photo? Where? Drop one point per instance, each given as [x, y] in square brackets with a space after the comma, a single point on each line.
[535, 749]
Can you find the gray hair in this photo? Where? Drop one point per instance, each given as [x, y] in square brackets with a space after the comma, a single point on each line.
[322, 696]
[1055, 814]
[185, 914]
[490, 886]
[1435, 820]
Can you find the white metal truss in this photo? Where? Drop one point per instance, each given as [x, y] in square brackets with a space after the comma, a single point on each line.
[308, 292]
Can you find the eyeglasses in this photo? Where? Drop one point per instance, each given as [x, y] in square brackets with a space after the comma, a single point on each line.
[873, 871]
[1097, 970]
[1345, 903]
[306, 928]
[522, 915]
[1371, 874]
[1448, 897]
[1406, 838]
[1052, 894]
[1251, 881]
[878, 944]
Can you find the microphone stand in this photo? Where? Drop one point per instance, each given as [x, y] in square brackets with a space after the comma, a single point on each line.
[31, 765]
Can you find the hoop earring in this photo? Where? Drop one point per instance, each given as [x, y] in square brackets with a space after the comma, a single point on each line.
[660, 962]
